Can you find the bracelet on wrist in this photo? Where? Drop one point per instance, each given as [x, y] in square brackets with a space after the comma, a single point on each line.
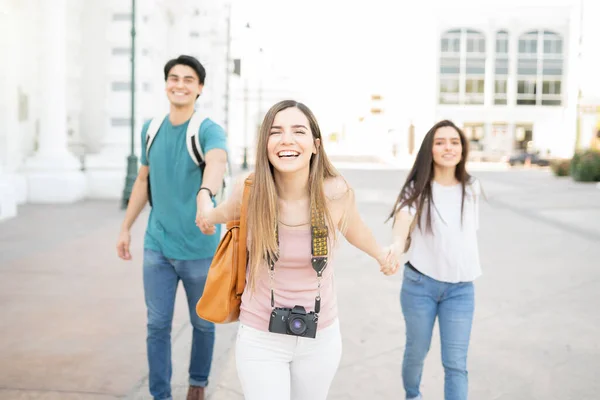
[210, 193]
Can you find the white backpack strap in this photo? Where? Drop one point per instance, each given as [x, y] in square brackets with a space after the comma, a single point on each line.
[193, 138]
[153, 128]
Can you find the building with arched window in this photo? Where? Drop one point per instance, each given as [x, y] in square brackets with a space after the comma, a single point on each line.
[511, 79]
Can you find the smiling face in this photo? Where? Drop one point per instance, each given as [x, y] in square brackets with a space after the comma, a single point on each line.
[291, 143]
[447, 147]
[182, 86]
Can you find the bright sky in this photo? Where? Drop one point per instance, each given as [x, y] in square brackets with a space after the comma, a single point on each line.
[340, 51]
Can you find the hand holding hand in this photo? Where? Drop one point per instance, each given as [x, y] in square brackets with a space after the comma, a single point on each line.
[204, 208]
[388, 261]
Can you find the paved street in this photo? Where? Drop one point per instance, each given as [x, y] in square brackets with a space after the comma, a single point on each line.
[72, 316]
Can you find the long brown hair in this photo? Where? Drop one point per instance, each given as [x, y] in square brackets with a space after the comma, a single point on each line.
[262, 206]
[417, 188]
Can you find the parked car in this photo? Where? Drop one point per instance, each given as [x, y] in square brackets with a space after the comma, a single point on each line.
[535, 159]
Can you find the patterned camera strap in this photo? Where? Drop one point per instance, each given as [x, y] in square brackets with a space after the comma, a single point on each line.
[319, 237]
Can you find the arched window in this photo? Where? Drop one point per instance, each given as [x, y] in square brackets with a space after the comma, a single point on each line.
[462, 67]
[540, 66]
[552, 69]
[475, 67]
[501, 68]
[450, 67]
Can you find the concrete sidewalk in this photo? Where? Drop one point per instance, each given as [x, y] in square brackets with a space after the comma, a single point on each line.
[72, 315]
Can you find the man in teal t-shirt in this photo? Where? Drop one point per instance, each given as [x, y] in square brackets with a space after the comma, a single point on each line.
[174, 247]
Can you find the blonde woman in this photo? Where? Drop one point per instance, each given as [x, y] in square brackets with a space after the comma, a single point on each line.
[289, 344]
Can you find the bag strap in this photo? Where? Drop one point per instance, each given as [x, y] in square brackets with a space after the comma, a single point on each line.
[153, 128]
[319, 234]
[193, 139]
[242, 245]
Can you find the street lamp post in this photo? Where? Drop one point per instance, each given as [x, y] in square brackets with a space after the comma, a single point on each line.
[132, 159]
[245, 77]
[246, 115]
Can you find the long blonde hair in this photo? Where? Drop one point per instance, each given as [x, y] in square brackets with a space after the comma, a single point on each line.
[262, 206]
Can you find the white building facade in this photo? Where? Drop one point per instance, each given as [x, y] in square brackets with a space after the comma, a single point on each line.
[516, 76]
[512, 80]
[65, 100]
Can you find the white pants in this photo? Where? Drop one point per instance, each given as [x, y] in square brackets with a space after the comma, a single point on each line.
[272, 366]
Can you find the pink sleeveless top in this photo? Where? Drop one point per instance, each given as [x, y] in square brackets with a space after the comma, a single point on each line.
[295, 283]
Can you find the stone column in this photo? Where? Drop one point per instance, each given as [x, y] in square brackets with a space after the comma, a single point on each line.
[490, 67]
[8, 113]
[106, 166]
[513, 54]
[53, 173]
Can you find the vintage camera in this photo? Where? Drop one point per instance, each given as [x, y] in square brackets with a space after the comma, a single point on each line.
[293, 321]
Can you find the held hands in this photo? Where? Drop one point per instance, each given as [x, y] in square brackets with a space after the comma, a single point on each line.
[388, 261]
[204, 208]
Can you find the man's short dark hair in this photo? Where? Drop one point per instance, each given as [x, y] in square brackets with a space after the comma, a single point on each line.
[189, 61]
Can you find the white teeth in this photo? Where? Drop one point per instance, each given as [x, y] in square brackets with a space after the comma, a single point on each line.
[288, 153]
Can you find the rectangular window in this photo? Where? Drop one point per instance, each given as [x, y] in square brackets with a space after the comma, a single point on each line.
[526, 92]
[527, 66]
[449, 90]
[475, 133]
[551, 87]
[528, 46]
[121, 86]
[121, 17]
[526, 87]
[449, 85]
[475, 65]
[552, 46]
[555, 102]
[551, 93]
[501, 46]
[475, 45]
[552, 67]
[126, 51]
[120, 122]
[121, 51]
[451, 43]
[445, 45]
[501, 66]
[474, 91]
[450, 65]
[474, 86]
[500, 86]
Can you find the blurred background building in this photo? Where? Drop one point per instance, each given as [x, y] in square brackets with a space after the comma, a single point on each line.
[516, 75]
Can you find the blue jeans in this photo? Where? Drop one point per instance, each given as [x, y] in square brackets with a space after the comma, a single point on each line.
[161, 277]
[423, 299]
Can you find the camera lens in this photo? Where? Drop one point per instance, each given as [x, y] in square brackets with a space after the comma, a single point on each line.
[297, 325]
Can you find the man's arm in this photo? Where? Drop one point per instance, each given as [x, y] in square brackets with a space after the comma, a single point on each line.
[212, 178]
[214, 171]
[137, 202]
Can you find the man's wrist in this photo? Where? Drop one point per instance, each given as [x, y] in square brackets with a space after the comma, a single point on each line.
[206, 191]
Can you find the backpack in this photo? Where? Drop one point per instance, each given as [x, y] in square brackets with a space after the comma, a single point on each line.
[226, 279]
[194, 148]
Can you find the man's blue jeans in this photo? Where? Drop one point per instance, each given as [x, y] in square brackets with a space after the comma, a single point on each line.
[161, 278]
[423, 299]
